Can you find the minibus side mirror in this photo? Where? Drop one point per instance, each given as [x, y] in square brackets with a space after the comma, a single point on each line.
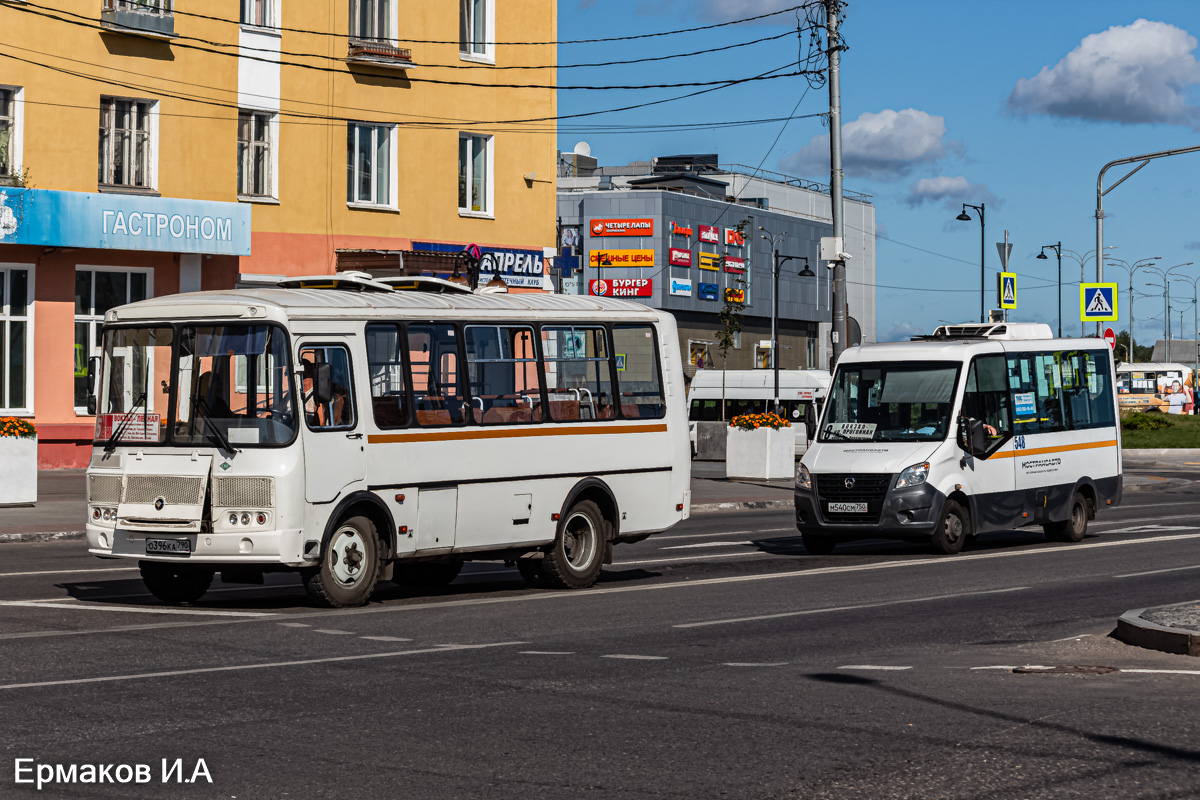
[810, 420]
[93, 374]
[972, 438]
[321, 376]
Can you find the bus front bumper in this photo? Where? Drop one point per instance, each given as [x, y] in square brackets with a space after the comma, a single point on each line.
[909, 514]
[242, 547]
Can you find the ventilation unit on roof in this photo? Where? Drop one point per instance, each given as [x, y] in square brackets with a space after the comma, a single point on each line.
[1009, 331]
[343, 281]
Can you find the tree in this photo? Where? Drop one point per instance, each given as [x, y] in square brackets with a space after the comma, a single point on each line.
[730, 321]
[1140, 352]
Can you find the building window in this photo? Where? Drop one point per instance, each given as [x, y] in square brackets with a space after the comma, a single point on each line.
[155, 7]
[10, 131]
[96, 291]
[475, 29]
[474, 173]
[16, 334]
[125, 142]
[373, 19]
[254, 154]
[369, 168]
[259, 13]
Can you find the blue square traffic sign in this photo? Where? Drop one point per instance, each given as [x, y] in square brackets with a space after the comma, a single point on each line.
[1098, 302]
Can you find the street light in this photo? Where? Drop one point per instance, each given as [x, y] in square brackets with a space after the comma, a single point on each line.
[1195, 324]
[1132, 270]
[776, 260]
[1081, 259]
[1166, 277]
[1057, 248]
[965, 217]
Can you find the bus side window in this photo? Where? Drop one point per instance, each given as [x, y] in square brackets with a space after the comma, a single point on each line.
[436, 384]
[385, 363]
[503, 369]
[578, 373]
[338, 413]
[638, 378]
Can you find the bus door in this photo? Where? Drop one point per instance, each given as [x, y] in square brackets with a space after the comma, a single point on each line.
[993, 480]
[333, 430]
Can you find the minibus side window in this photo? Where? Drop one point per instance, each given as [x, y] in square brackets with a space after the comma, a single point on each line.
[705, 411]
[985, 396]
[1036, 383]
[1087, 389]
[578, 373]
[338, 413]
[638, 378]
[385, 363]
[435, 380]
[503, 368]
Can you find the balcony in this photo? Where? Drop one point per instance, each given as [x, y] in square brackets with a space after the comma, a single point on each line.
[379, 53]
[153, 18]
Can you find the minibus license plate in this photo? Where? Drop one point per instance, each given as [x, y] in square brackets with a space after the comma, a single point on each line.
[174, 547]
[847, 508]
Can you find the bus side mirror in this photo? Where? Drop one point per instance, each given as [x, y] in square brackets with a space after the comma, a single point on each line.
[93, 373]
[810, 420]
[321, 376]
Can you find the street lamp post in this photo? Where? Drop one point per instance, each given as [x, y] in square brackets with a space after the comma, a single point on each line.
[1081, 259]
[1057, 248]
[1132, 270]
[1195, 325]
[1166, 279]
[776, 260]
[965, 217]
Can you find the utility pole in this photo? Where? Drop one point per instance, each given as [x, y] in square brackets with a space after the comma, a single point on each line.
[841, 327]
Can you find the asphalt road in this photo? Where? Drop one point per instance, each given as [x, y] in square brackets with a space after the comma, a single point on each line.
[715, 660]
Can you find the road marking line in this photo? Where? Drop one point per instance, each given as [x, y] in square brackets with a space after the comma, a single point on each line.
[1156, 571]
[384, 638]
[333, 631]
[713, 535]
[875, 667]
[547, 652]
[753, 664]
[1127, 521]
[636, 658]
[858, 607]
[707, 544]
[295, 624]
[270, 665]
[1164, 671]
[688, 558]
[191, 612]
[66, 571]
[1071, 638]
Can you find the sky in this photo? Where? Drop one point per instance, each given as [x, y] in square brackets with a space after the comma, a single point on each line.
[1015, 105]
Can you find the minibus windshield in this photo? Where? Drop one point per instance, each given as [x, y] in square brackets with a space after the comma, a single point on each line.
[896, 402]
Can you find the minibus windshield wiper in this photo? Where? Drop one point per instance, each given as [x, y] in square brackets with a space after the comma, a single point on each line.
[119, 430]
[211, 431]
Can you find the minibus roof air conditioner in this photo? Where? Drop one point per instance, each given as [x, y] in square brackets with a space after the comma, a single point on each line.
[1007, 330]
[342, 281]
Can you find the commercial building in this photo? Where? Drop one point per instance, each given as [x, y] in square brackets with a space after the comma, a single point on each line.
[680, 232]
[240, 141]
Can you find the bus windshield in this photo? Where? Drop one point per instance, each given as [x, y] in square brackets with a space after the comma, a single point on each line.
[897, 402]
[228, 385]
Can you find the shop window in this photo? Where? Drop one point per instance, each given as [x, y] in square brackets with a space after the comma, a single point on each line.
[373, 20]
[578, 373]
[369, 173]
[16, 339]
[259, 13]
[96, 291]
[436, 380]
[10, 133]
[126, 142]
[475, 26]
[474, 174]
[639, 382]
[385, 364]
[502, 365]
[255, 169]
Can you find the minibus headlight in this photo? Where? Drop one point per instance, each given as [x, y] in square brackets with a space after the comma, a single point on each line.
[915, 475]
[803, 478]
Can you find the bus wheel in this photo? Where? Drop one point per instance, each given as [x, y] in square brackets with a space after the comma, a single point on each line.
[578, 553]
[175, 583]
[952, 529]
[427, 575]
[818, 545]
[349, 566]
[1074, 528]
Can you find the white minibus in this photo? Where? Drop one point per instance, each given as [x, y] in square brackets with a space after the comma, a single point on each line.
[751, 391]
[977, 428]
[365, 431]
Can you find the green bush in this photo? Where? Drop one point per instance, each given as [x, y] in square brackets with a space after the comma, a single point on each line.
[1145, 422]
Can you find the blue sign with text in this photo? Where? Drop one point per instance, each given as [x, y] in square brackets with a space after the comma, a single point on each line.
[123, 222]
[708, 291]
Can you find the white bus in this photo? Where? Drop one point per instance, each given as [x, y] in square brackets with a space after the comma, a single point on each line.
[382, 433]
[751, 391]
[978, 428]
[1165, 387]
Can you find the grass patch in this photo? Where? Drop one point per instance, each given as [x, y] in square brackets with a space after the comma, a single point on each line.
[1152, 430]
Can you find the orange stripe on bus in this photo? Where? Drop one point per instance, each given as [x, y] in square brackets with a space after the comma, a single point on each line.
[495, 433]
[1037, 451]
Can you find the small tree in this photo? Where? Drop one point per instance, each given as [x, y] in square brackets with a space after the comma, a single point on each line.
[730, 320]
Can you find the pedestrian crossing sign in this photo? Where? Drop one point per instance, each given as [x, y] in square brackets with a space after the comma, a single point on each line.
[1008, 290]
[1098, 302]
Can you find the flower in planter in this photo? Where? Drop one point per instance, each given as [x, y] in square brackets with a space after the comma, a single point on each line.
[16, 428]
[750, 422]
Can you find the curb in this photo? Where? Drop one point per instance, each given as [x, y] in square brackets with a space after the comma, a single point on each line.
[40, 536]
[741, 505]
[1159, 485]
[1134, 630]
[1161, 451]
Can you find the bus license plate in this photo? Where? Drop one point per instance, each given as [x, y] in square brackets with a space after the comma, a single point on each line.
[174, 547]
[847, 508]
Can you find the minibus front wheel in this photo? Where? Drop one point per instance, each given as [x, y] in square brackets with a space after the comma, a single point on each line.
[349, 566]
[952, 529]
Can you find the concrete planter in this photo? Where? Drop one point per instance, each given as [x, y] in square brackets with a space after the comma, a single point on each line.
[762, 453]
[18, 471]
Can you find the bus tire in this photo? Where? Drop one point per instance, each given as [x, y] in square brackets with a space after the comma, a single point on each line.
[349, 566]
[175, 583]
[1074, 528]
[952, 529]
[428, 575]
[575, 560]
[818, 545]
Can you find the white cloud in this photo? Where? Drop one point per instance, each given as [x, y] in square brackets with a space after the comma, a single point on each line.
[1133, 73]
[902, 332]
[881, 146]
[950, 191]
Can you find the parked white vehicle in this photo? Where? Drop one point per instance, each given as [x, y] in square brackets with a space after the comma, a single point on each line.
[382, 433]
[751, 391]
[978, 428]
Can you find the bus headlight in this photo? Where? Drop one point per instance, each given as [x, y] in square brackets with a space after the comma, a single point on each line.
[803, 478]
[915, 475]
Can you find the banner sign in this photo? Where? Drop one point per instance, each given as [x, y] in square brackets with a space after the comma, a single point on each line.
[734, 237]
[621, 258]
[139, 427]
[681, 287]
[709, 261]
[123, 222]
[622, 287]
[737, 265]
[679, 230]
[709, 233]
[521, 268]
[622, 227]
[708, 291]
[735, 295]
[680, 258]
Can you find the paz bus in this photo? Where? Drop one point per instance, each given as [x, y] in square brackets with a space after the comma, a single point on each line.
[977, 428]
[357, 430]
[1165, 387]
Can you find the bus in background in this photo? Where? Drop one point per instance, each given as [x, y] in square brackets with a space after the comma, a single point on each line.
[1165, 387]
[354, 431]
[751, 391]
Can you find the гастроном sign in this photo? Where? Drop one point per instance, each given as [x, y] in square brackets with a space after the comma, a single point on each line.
[123, 222]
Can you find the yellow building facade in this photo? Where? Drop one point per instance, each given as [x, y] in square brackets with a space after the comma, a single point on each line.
[155, 146]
